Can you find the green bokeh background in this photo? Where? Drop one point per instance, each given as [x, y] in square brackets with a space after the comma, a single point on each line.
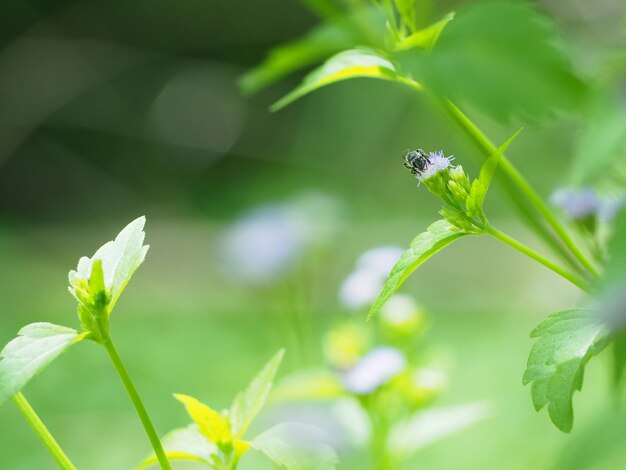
[113, 110]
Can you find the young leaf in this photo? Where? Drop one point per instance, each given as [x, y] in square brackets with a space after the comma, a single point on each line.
[480, 185]
[424, 428]
[36, 346]
[425, 38]
[296, 447]
[248, 403]
[210, 423]
[120, 258]
[184, 444]
[436, 237]
[406, 9]
[359, 62]
[556, 364]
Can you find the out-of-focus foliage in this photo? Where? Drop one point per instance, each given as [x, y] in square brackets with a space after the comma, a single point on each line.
[503, 58]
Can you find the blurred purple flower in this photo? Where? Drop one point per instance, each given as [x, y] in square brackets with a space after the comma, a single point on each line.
[577, 203]
[264, 244]
[374, 369]
[362, 286]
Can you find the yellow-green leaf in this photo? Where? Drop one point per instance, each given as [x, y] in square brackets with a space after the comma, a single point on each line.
[210, 423]
[480, 185]
[248, 403]
[354, 63]
[425, 38]
[436, 237]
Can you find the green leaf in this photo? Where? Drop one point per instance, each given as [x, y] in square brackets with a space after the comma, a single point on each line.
[480, 185]
[504, 58]
[210, 423]
[424, 428]
[439, 235]
[248, 403]
[565, 342]
[406, 9]
[425, 38]
[296, 447]
[602, 141]
[36, 346]
[120, 259]
[320, 43]
[308, 385]
[361, 27]
[618, 359]
[354, 63]
[184, 444]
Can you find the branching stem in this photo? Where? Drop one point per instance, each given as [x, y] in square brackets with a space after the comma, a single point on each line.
[504, 238]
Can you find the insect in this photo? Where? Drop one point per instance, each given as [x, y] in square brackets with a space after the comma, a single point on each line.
[416, 161]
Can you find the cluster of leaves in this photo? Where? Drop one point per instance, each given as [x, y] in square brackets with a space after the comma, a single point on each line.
[217, 439]
[97, 284]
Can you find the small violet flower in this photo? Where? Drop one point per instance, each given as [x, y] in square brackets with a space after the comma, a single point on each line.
[362, 286]
[374, 369]
[436, 163]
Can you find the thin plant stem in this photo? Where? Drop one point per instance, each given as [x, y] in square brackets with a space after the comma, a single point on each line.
[42, 432]
[523, 185]
[139, 406]
[504, 238]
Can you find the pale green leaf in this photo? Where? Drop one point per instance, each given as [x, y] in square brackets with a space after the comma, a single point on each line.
[248, 403]
[308, 385]
[480, 185]
[184, 444]
[354, 63]
[296, 447]
[425, 38]
[424, 428]
[120, 258]
[406, 9]
[438, 235]
[565, 342]
[210, 423]
[36, 346]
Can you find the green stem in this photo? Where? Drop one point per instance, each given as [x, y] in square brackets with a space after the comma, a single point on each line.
[503, 237]
[139, 406]
[523, 185]
[42, 432]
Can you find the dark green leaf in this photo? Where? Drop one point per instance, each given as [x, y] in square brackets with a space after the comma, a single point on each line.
[439, 235]
[502, 58]
[565, 342]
